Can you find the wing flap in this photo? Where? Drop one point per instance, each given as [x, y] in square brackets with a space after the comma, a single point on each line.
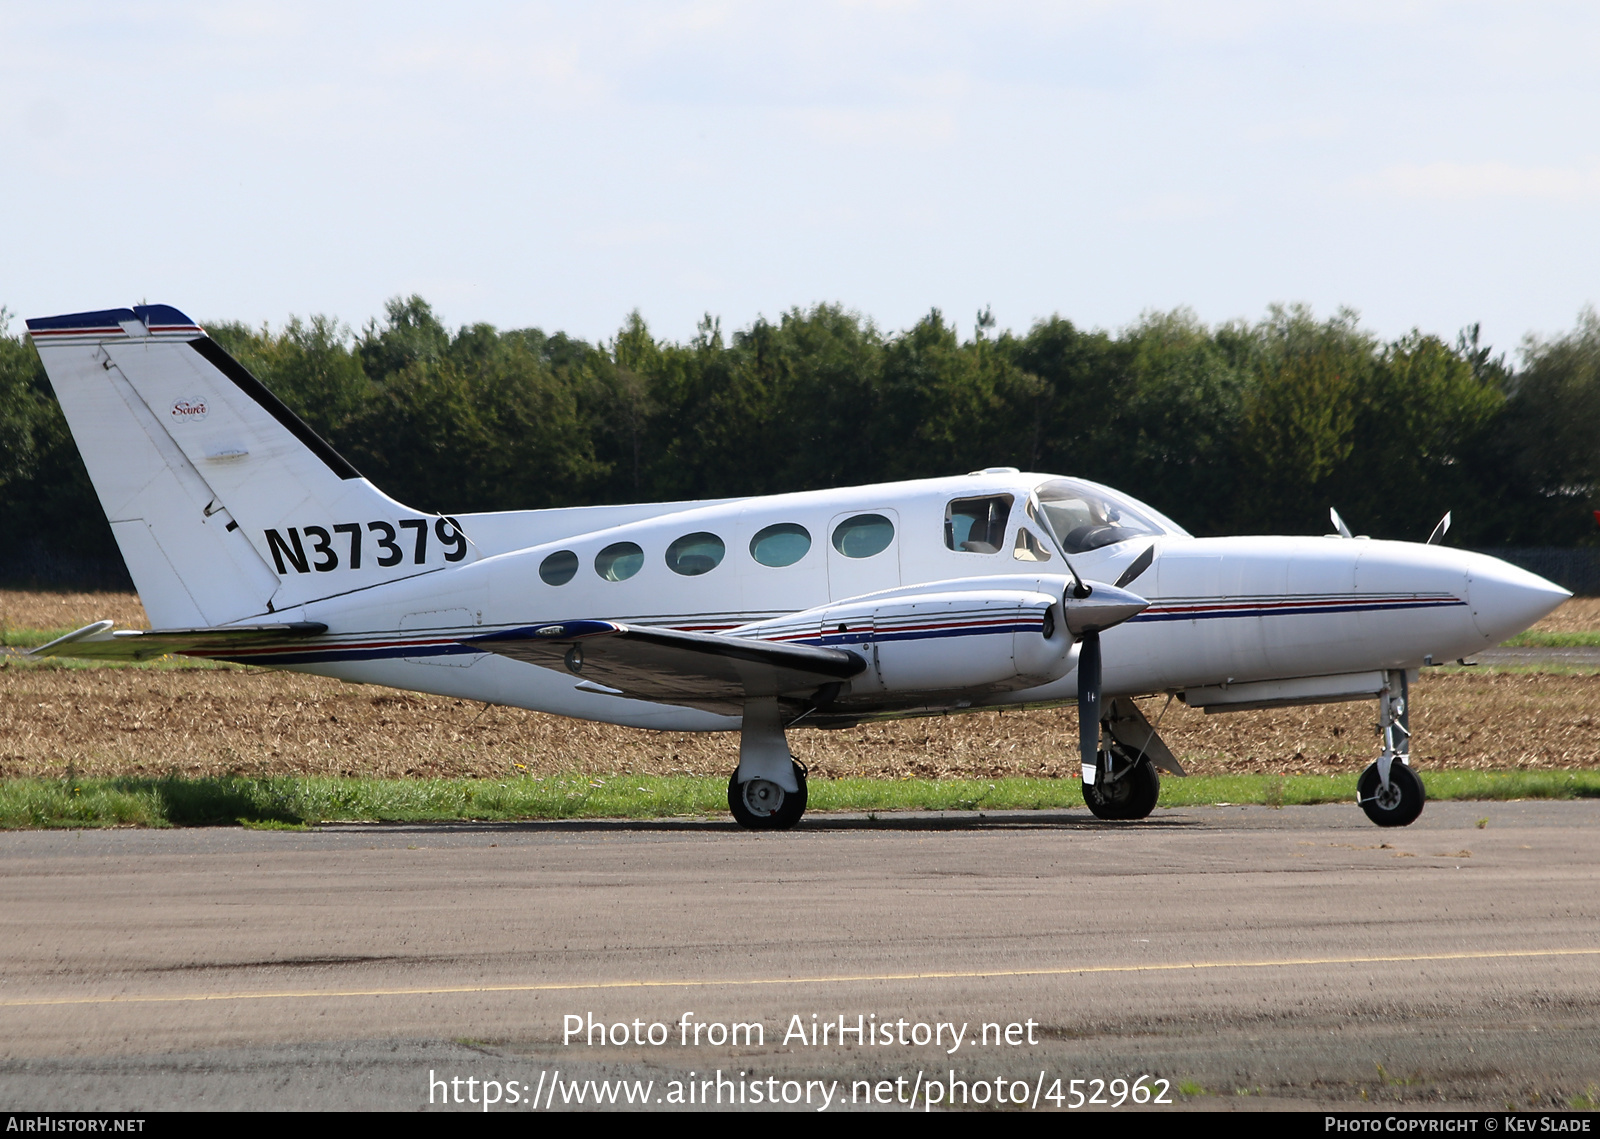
[698, 670]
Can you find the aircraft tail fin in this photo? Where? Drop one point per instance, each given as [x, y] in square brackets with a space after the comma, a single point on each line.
[224, 503]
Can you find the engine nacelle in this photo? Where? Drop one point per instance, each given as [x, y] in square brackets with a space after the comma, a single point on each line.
[948, 636]
[992, 641]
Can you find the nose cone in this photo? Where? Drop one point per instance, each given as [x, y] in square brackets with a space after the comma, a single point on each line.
[1505, 600]
[1105, 606]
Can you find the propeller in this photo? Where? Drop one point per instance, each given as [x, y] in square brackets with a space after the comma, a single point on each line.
[1100, 607]
[1137, 566]
[1089, 706]
[1089, 610]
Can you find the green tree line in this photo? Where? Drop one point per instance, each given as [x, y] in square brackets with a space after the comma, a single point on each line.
[1238, 428]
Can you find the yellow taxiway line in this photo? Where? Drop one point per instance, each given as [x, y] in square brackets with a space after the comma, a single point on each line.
[846, 978]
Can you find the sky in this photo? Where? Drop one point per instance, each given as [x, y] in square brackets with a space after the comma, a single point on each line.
[1429, 165]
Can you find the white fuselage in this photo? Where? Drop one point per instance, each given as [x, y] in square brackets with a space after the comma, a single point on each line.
[1222, 610]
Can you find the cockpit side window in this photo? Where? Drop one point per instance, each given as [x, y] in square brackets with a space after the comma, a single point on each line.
[1029, 548]
[1083, 517]
[977, 525]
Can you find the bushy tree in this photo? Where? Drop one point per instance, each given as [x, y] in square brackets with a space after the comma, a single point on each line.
[1245, 427]
[1545, 448]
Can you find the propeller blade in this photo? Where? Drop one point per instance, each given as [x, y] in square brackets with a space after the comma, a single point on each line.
[1440, 530]
[1338, 523]
[1137, 567]
[1080, 588]
[1089, 706]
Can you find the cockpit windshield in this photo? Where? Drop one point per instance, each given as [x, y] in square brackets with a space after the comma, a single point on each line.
[1082, 516]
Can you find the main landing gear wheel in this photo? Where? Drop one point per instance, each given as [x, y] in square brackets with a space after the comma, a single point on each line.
[761, 805]
[1131, 795]
[1396, 805]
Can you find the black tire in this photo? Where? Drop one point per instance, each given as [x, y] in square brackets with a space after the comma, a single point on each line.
[1401, 806]
[1131, 797]
[761, 805]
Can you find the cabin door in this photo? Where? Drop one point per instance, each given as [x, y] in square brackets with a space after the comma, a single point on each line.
[863, 552]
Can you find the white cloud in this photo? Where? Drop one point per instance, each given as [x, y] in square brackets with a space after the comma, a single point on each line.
[914, 128]
[1468, 181]
[539, 163]
[1175, 206]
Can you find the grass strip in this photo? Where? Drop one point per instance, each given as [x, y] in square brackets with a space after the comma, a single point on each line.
[29, 638]
[1537, 639]
[292, 802]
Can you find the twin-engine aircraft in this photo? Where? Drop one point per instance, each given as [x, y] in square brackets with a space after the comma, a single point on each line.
[250, 539]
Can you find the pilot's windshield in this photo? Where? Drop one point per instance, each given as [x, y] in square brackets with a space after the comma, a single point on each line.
[1083, 517]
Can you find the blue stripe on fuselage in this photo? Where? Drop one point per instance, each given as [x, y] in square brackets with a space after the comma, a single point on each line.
[1279, 610]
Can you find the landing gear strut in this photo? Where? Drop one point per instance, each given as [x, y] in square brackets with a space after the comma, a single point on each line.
[1390, 792]
[1124, 783]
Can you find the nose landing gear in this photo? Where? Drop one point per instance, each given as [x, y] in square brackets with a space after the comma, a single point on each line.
[1390, 792]
[1395, 804]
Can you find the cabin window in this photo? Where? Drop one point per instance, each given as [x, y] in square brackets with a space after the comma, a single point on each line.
[558, 568]
[695, 554]
[781, 545]
[977, 525]
[619, 561]
[863, 535]
[1029, 548]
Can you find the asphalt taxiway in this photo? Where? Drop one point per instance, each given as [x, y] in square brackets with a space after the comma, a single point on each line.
[1249, 956]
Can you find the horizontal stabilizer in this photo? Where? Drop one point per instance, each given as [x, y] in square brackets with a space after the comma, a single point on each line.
[100, 642]
[700, 670]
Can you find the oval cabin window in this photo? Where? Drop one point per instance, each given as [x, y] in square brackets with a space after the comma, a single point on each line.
[558, 568]
[781, 545]
[863, 536]
[695, 554]
[619, 561]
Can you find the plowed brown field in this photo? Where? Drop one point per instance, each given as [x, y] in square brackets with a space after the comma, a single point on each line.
[194, 722]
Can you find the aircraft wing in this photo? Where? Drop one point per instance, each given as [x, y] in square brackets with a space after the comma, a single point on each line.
[699, 670]
[99, 642]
